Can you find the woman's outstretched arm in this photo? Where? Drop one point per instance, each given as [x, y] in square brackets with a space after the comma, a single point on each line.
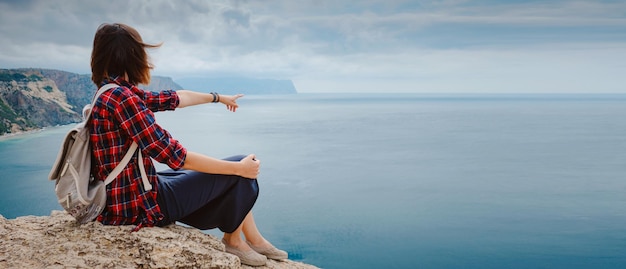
[191, 98]
[248, 167]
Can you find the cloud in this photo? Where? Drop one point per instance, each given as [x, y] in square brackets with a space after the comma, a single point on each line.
[419, 44]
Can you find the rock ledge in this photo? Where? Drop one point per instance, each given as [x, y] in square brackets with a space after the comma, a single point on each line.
[55, 241]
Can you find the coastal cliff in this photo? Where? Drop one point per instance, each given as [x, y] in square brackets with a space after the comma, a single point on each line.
[36, 98]
[29, 101]
[55, 241]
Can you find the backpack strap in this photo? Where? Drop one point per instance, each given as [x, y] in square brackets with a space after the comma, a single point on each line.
[142, 169]
[88, 108]
[102, 90]
[118, 169]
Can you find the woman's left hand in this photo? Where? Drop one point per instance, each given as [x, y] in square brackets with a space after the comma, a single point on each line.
[230, 101]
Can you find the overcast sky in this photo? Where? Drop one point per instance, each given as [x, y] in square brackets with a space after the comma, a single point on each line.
[344, 46]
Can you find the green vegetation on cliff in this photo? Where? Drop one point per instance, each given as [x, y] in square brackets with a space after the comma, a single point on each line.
[8, 118]
[8, 75]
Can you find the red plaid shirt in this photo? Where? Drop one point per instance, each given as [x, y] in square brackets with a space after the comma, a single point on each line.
[119, 117]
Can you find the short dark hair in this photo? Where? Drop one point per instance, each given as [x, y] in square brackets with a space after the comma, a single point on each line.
[118, 50]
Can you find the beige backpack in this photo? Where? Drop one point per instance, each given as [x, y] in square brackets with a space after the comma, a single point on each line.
[78, 192]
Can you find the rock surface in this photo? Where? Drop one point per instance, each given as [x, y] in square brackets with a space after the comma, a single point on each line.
[55, 241]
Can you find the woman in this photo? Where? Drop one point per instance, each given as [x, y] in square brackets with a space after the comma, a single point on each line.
[200, 191]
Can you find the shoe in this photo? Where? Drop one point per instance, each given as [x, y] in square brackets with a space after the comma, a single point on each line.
[250, 257]
[271, 252]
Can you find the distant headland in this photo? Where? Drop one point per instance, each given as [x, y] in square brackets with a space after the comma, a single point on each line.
[234, 85]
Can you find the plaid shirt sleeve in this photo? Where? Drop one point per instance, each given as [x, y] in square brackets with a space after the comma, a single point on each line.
[121, 116]
[159, 101]
[137, 120]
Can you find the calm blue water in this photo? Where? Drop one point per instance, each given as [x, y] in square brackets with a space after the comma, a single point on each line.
[405, 181]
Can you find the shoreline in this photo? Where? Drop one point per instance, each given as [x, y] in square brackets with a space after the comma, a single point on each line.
[35, 132]
[8, 136]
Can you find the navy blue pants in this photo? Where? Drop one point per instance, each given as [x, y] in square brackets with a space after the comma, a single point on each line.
[206, 201]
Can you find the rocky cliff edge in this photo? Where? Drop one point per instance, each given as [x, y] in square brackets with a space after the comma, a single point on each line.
[56, 241]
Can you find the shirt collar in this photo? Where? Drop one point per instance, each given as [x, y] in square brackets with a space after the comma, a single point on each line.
[117, 80]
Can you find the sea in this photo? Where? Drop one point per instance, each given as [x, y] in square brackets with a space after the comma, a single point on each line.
[404, 180]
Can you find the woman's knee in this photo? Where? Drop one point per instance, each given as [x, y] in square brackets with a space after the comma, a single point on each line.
[250, 186]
